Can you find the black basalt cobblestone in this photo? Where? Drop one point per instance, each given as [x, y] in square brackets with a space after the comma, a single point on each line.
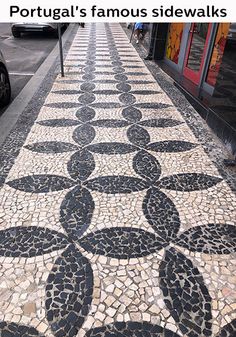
[114, 221]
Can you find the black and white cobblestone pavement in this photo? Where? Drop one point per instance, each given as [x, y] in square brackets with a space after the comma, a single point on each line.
[114, 221]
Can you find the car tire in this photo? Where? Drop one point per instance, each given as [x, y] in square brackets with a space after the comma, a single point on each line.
[16, 34]
[5, 87]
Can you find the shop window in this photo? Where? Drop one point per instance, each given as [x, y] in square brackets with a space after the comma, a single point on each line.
[217, 53]
[199, 33]
[223, 99]
[174, 40]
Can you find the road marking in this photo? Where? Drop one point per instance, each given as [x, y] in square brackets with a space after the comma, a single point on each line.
[21, 74]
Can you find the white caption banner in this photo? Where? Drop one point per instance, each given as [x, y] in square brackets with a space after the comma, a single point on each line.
[120, 11]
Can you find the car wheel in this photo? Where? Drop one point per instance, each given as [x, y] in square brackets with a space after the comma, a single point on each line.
[5, 87]
[15, 33]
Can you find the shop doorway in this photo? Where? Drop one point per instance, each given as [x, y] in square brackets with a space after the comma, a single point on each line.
[198, 41]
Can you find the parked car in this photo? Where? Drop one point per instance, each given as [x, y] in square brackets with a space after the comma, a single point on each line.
[5, 86]
[23, 27]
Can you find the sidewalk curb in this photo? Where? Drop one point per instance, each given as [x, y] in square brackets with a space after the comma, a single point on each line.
[18, 105]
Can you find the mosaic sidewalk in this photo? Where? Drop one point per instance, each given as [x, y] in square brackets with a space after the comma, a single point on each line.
[114, 221]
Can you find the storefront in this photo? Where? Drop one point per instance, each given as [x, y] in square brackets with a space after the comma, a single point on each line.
[201, 57]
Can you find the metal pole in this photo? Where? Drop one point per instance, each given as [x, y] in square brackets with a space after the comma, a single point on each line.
[132, 32]
[60, 49]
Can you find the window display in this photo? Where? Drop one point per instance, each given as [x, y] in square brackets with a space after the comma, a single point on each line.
[174, 41]
[217, 53]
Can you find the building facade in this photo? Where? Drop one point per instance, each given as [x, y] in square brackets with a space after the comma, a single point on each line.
[201, 57]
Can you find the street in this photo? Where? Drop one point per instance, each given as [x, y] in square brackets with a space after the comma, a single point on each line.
[23, 55]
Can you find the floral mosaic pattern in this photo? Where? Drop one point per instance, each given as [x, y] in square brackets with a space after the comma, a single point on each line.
[152, 276]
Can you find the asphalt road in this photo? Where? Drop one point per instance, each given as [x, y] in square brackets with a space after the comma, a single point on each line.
[23, 55]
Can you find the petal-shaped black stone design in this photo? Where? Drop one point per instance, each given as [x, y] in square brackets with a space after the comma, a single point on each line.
[116, 63]
[105, 105]
[228, 330]
[187, 182]
[141, 82]
[131, 329]
[87, 86]
[161, 214]
[104, 72]
[87, 98]
[127, 49]
[88, 77]
[160, 123]
[69, 293]
[90, 69]
[91, 56]
[138, 135]
[51, 147]
[67, 92]
[106, 81]
[16, 330]
[117, 184]
[124, 87]
[63, 105]
[56, 123]
[30, 241]
[145, 92]
[133, 67]
[121, 243]
[113, 53]
[171, 146]
[41, 183]
[75, 65]
[146, 166]
[84, 134]
[132, 114]
[85, 114]
[136, 73]
[115, 57]
[91, 52]
[110, 123]
[78, 73]
[106, 92]
[81, 165]
[153, 105]
[185, 294]
[112, 148]
[69, 81]
[76, 212]
[127, 99]
[209, 239]
[90, 62]
[121, 77]
[118, 70]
